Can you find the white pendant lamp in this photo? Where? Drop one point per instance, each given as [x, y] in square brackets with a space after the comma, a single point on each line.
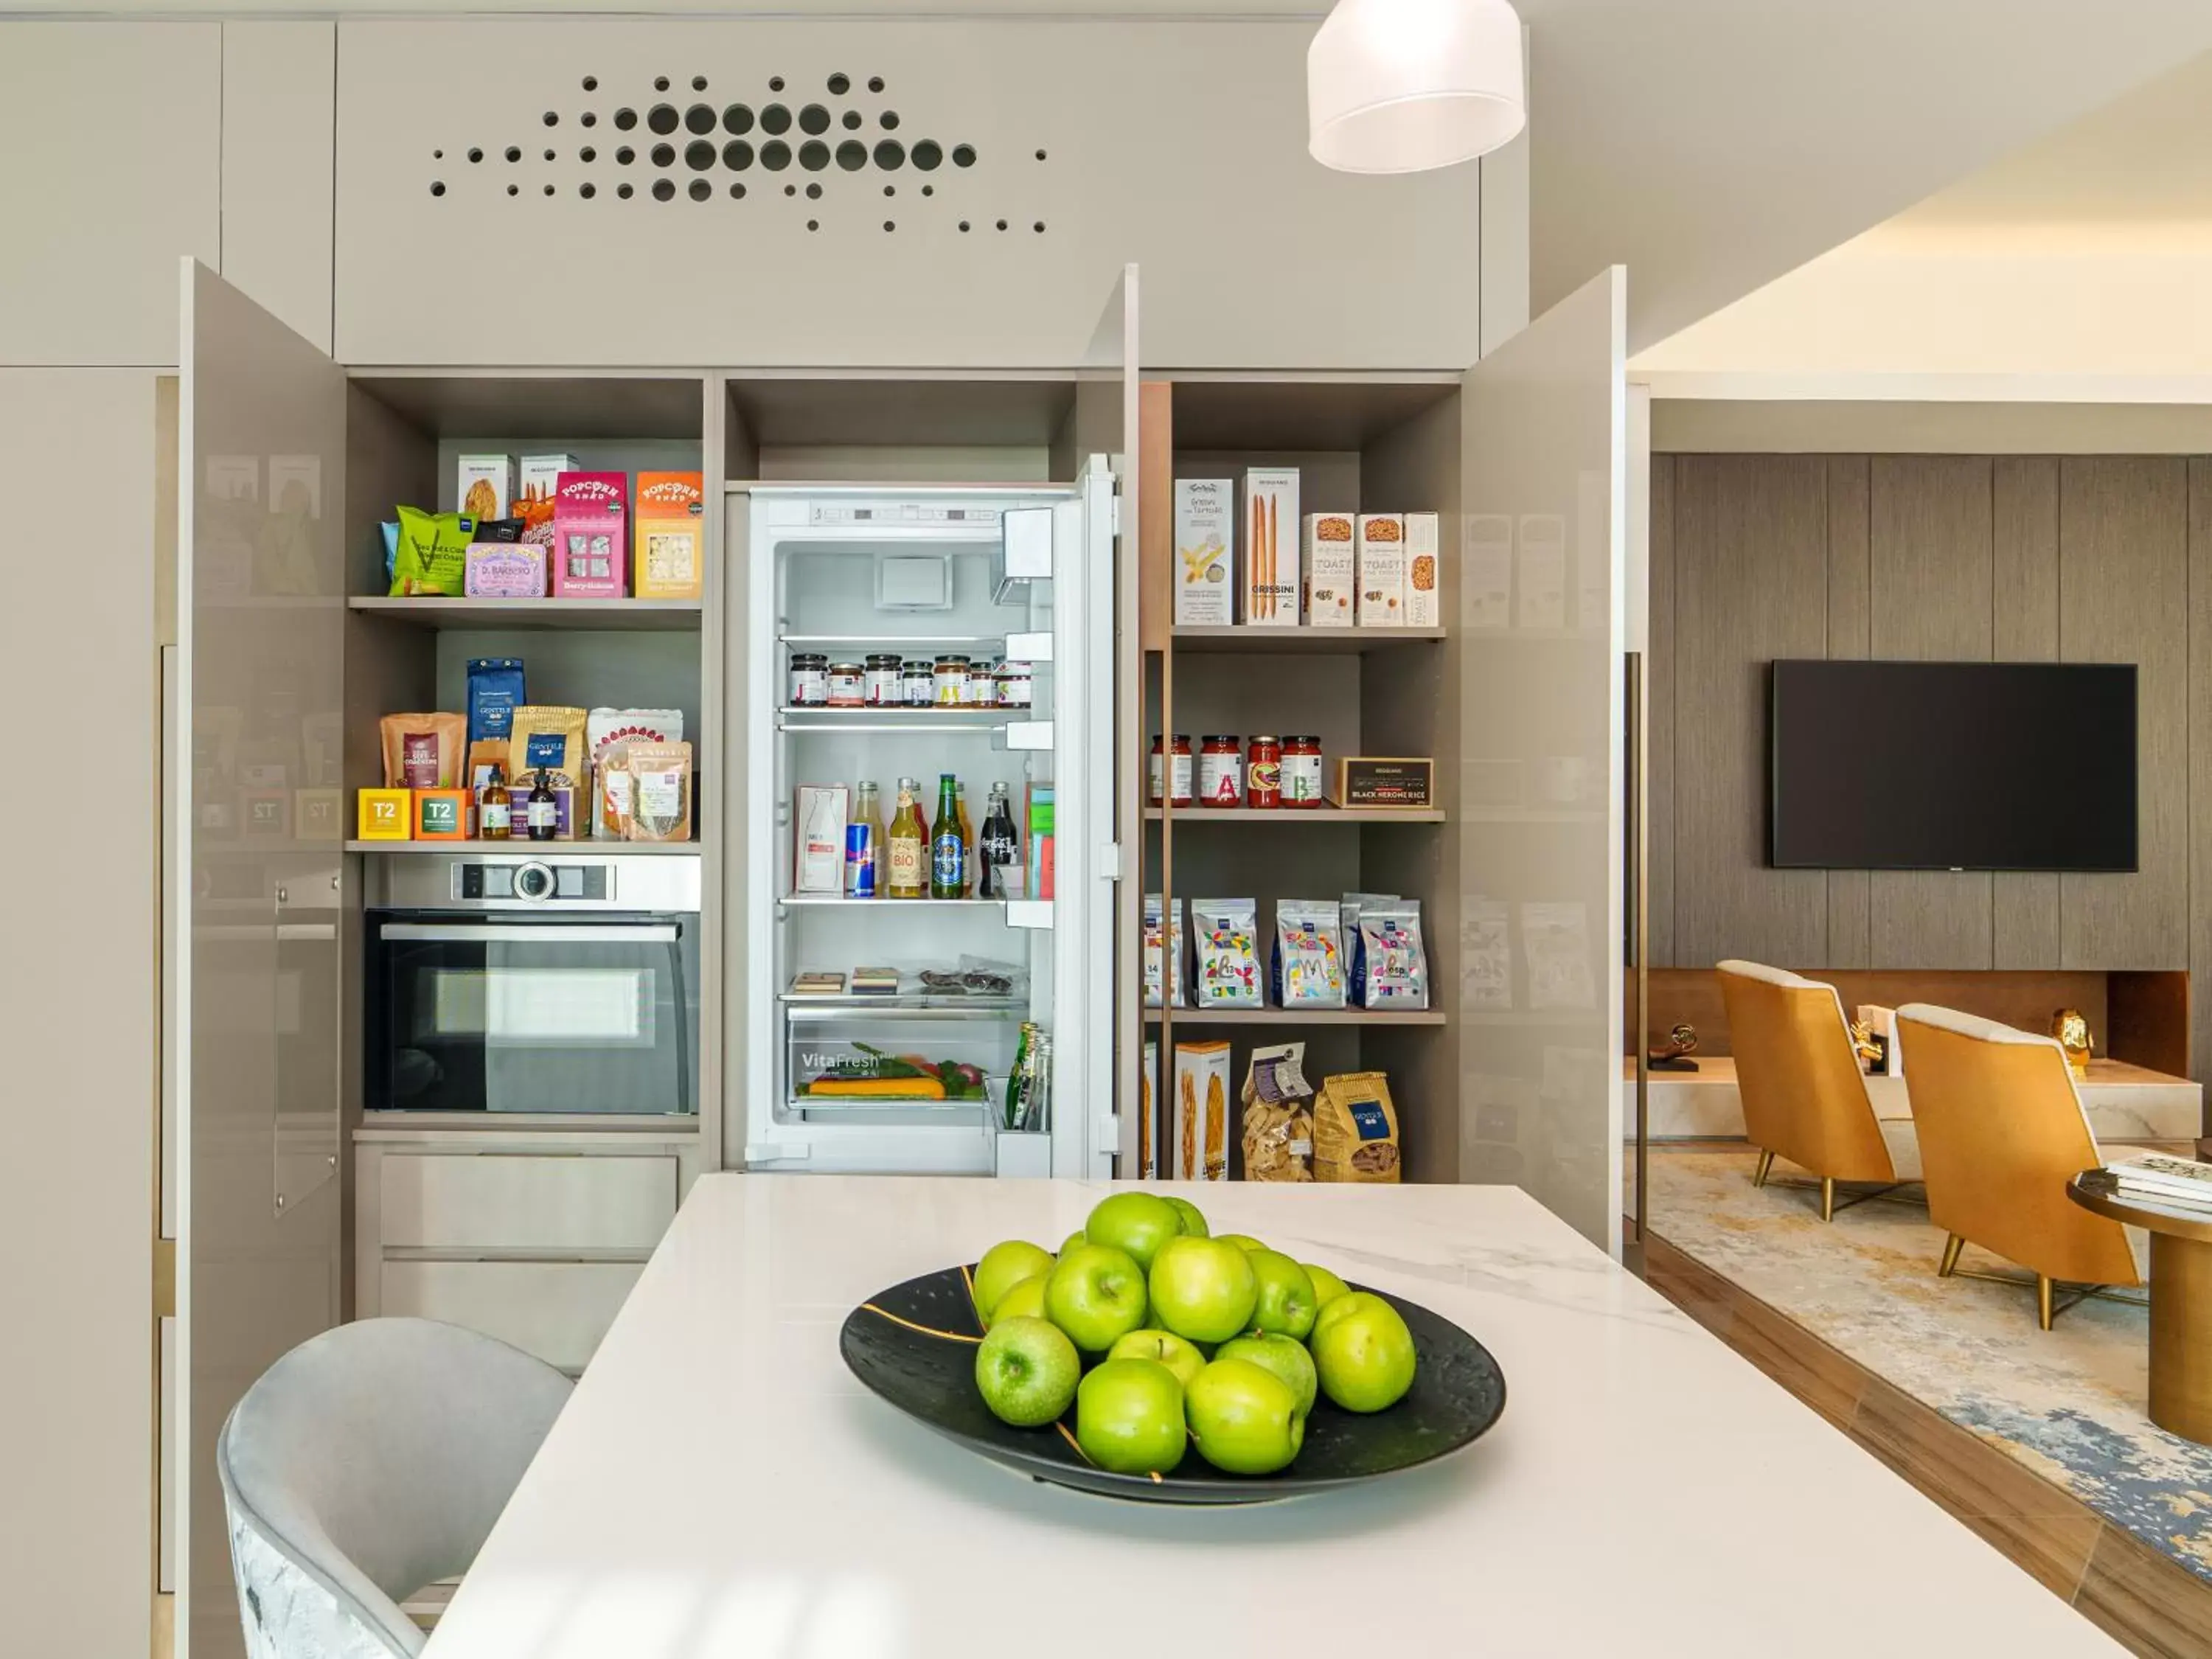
[1400, 86]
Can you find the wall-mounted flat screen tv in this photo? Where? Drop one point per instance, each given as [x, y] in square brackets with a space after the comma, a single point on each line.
[1952, 766]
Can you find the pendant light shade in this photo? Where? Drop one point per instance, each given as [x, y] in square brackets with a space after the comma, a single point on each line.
[1399, 86]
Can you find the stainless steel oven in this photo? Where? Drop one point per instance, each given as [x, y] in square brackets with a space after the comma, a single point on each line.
[560, 979]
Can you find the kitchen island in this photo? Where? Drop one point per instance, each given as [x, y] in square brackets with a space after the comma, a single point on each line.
[720, 1484]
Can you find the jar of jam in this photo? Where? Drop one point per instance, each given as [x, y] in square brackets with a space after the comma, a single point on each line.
[810, 679]
[849, 686]
[982, 686]
[1177, 776]
[951, 681]
[1221, 773]
[1302, 772]
[1263, 780]
[881, 679]
[918, 682]
[1016, 684]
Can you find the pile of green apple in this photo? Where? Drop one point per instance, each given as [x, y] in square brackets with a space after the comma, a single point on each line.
[1220, 1344]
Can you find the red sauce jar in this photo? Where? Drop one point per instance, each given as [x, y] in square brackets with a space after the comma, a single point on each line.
[1263, 781]
[1302, 772]
[1221, 773]
[1178, 777]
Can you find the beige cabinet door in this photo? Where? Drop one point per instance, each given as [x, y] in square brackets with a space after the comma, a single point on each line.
[261, 468]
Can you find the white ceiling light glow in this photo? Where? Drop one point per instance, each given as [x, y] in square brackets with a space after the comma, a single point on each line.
[1402, 85]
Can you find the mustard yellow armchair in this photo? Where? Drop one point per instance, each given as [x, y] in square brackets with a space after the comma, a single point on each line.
[1804, 1095]
[2001, 1130]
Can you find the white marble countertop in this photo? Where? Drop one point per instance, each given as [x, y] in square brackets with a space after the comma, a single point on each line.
[720, 1485]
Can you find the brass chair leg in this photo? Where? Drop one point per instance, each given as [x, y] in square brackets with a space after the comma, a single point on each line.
[2042, 1313]
[1827, 1198]
[1765, 1168]
[1952, 1247]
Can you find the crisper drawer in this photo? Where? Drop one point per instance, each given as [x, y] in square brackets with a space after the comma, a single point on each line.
[525, 1202]
[558, 1310]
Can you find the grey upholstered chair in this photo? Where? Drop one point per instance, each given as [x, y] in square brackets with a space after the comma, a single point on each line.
[367, 1463]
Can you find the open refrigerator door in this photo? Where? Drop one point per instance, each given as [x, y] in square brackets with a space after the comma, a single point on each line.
[925, 761]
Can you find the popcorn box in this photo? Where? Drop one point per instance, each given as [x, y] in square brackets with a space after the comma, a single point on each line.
[591, 551]
[671, 547]
[442, 814]
[1424, 571]
[1381, 551]
[1332, 572]
[386, 814]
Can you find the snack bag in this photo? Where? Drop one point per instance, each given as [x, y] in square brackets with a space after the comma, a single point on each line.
[1306, 966]
[1355, 1129]
[422, 751]
[1279, 1125]
[1227, 932]
[1391, 969]
[608, 733]
[660, 776]
[431, 554]
[1148, 1097]
[1200, 1143]
[1160, 934]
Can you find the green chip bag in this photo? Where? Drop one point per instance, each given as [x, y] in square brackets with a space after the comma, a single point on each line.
[433, 553]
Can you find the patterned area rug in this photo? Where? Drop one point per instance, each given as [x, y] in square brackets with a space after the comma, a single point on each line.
[2067, 1402]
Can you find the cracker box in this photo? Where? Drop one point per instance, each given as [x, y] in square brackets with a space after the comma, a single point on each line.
[485, 487]
[1268, 595]
[1380, 549]
[442, 814]
[386, 814]
[590, 546]
[1205, 551]
[1332, 574]
[539, 476]
[1198, 1114]
[670, 559]
[1424, 573]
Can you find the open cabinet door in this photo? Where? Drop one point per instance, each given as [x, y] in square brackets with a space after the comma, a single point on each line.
[1541, 614]
[1106, 426]
[258, 816]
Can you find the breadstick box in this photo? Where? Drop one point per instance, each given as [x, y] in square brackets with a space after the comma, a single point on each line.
[1205, 551]
[1268, 597]
[1198, 1115]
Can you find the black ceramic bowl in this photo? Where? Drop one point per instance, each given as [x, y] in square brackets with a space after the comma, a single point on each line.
[915, 1344]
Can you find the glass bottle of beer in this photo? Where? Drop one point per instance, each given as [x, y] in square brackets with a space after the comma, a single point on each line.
[906, 846]
[967, 839]
[948, 867]
[497, 812]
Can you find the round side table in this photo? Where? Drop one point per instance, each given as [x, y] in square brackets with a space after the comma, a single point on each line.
[2180, 1300]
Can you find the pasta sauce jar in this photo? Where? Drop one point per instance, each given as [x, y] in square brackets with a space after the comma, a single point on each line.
[847, 685]
[951, 681]
[882, 677]
[1221, 773]
[1016, 684]
[810, 680]
[1302, 772]
[1177, 776]
[1263, 781]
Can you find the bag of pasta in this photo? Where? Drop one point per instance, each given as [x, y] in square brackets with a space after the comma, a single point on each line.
[1355, 1129]
[1279, 1124]
[1199, 1143]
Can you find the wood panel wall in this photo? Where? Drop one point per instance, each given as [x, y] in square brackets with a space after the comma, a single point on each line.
[1958, 557]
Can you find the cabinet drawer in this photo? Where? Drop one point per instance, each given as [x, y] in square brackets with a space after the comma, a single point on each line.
[524, 1201]
[558, 1310]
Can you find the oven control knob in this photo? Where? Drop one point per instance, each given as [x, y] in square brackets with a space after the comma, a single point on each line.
[533, 881]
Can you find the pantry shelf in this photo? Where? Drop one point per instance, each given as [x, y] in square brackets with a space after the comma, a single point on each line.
[638, 615]
[1019, 913]
[549, 850]
[1301, 1016]
[1298, 641]
[1311, 817]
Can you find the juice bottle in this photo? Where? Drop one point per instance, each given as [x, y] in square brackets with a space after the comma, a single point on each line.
[948, 868]
[906, 844]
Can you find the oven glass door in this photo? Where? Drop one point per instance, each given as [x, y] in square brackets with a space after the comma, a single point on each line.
[562, 1014]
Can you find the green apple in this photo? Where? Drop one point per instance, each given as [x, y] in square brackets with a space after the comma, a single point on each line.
[1169, 1350]
[1096, 1294]
[1365, 1359]
[1241, 1241]
[1005, 1266]
[1128, 1417]
[1138, 1223]
[1326, 1285]
[1024, 1301]
[1284, 1355]
[1286, 1294]
[1027, 1371]
[1350, 1303]
[1194, 1219]
[1243, 1419]
[1204, 1289]
[1072, 1241]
